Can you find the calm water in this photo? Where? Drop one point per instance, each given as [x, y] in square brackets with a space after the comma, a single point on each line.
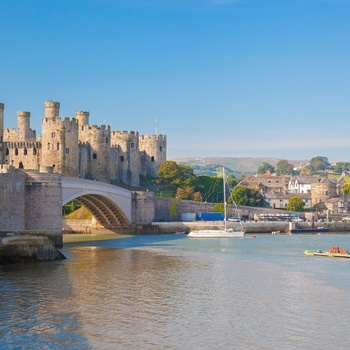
[173, 292]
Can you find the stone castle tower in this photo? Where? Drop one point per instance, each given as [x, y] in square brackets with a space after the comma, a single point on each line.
[72, 147]
[153, 148]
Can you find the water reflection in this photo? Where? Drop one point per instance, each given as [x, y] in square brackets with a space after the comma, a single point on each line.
[160, 292]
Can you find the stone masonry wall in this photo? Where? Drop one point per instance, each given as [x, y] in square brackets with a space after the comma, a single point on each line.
[12, 201]
[43, 205]
[162, 205]
[143, 207]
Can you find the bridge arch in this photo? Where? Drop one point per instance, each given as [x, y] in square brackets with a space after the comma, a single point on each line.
[109, 204]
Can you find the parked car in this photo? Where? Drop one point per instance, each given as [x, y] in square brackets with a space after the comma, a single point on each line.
[233, 218]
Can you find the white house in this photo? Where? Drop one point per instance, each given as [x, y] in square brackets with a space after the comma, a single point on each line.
[301, 184]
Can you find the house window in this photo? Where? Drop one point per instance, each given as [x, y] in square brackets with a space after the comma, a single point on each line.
[94, 156]
[53, 135]
[16, 152]
[20, 166]
[34, 151]
[152, 159]
[122, 158]
[25, 151]
[67, 151]
[326, 193]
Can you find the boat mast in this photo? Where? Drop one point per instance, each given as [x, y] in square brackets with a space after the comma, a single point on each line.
[225, 204]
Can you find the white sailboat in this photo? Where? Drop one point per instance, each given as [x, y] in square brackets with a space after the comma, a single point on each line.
[225, 233]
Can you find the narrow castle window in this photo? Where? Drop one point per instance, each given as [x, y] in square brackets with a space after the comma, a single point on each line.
[122, 158]
[34, 151]
[106, 139]
[152, 159]
[25, 151]
[16, 152]
[58, 146]
[49, 146]
[67, 151]
[20, 165]
[161, 148]
[53, 135]
[7, 152]
[132, 145]
[94, 156]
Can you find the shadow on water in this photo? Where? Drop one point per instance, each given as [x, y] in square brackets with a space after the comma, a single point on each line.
[131, 241]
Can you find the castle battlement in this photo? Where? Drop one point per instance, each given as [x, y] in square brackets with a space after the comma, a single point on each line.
[159, 138]
[59, 121]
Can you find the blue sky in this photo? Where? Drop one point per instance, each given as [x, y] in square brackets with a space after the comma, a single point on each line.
[244, 78]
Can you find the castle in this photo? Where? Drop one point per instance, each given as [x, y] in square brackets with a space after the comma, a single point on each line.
[74, 148]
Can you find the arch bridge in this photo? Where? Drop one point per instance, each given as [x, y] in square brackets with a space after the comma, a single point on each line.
[110, 205]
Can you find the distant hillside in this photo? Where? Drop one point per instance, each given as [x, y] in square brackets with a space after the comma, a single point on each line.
[248, 166]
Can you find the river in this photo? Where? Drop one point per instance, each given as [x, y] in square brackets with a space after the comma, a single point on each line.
[174, 292]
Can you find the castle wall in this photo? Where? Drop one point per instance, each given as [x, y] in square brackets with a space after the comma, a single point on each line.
[154, 153]
[60, 145]
[127, 156]
[84, 160]
[10, 135]
[22, 155]
[97, 142]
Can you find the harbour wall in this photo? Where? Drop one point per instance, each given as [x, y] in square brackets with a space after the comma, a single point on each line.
[88, 226]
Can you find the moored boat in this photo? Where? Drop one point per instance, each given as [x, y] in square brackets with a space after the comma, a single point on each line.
[335, 252]
[221, 233]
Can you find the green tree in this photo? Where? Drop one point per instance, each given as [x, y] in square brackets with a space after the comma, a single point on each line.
[319, 164]
[284, 168]
[339, 167]
[210, 187]
[232, 180]
[243, 195]
[172, 175]
[295, 204]
[185, 193]
[197, 196]
[346, 188]
[219, 207]
[265, 167]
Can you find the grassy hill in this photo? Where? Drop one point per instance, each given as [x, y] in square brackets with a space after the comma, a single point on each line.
[248, 166]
